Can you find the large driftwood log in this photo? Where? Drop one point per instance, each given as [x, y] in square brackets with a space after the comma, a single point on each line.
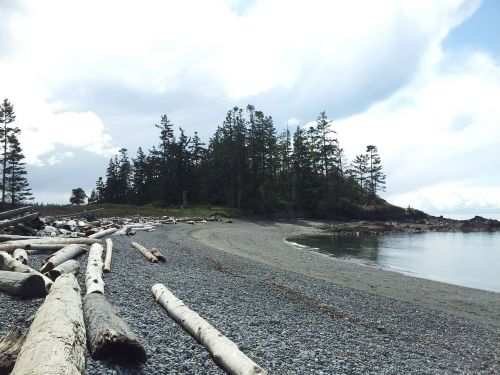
[8, 263]
[29, 217]
[70, 266]
[158, 255]
[103, 233]
[21, 256]
[15, 212]
[225, 352]
[107, 259]
[24, 285]
[93, 276]
[55, 343]
[145, 252]
[13, 237]
[10, 246]
[61, 256]
[109, 335]
[10, 345]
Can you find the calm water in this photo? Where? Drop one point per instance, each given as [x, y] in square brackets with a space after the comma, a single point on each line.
[467, 259]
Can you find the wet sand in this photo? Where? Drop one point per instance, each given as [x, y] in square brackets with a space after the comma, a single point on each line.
[264, 242]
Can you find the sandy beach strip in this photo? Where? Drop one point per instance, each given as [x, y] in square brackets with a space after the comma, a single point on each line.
[264, 242]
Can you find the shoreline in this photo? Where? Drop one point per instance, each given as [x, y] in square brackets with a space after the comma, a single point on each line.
[264, 242]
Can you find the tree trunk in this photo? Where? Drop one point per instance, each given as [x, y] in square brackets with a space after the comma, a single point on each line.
[109, 251]
[13, 237]
[61, 256]
[15, 212]
[24, 285]
[93, 276]
[21, 256]
[103, 233]
[7, 263]
[158, 255]
[145, 252]
[29, 244]
[109, 336]
[70, 266]
[55, 343]
[10, 345]
[8, 223]
[225, 352]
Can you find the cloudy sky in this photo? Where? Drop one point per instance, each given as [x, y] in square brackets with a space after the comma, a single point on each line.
[420, 79]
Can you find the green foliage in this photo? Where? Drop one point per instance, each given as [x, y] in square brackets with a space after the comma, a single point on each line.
[77, 196]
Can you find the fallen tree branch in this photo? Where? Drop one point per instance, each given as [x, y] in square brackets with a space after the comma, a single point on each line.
[158, 255]
[103, 233]
[145, 252]
[224, 351]
[55, 343]
[61, 256]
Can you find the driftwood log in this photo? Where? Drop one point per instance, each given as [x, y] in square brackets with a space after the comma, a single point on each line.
[10, 246]
[8, 263]
[108, 335]
[13, 237]
[20, 255]
[70, 266]
[55, 343]
[225, 352]
[10, 345]
[93, 276]
[61, 256]
[103, 233]
[15, 212]
[29, 217]
[107, 259]
[158, 255]
[24, 285]
[145, 252]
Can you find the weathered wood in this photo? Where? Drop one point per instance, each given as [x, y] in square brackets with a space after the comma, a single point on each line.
[70, 266]
[225, 352]
[24, 285]
[107, 259]
[10, 246]
[13, 237]
[29, 217]
[108, 335]
[145, 252]
[93, 276]
[8, 263]
[15, 212]
[83, 213]
[61, 256]
[10, 345]
[55, 343]
[21, 255]
[158, 255]
[103, 233]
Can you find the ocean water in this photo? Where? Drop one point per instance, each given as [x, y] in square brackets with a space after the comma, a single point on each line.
[466, 259]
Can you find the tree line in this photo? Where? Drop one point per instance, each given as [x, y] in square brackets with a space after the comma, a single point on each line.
[14, 184]
[246, 165]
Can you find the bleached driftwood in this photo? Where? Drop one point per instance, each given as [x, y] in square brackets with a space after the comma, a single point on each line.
[55, 343]
[83, 213]
[103, 233]
[107, 259]
[13, 237]
[70, 266]
[15, 212]
[158, 255]
[225, 352]
[25, 285]
[8, 263]
[145, 252]
[93, 276]
[61, 256]
[29, 217]
[10, 345]
[108, 334]
[20, 255]
[10, 246]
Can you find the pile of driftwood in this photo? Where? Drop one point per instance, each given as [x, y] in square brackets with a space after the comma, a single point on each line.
[64, 326]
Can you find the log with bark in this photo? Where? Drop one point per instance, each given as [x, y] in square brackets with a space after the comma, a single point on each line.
[158, 255]
[145, 252]
[103, 233]
[29, 217]
[10, 246]
[8, 263]
[93, 276]
[225, 352]
[55, 343]
[15, 212]
[109, 336]
[10, 345]
[61, 256]
[70, 266]
[107, 259]
[20, 255]
[24, 285]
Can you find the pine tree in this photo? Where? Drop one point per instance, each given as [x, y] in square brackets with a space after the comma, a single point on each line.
[376, 178]
[359, 169]
[7, 117]
[77, 196]
[17, 187]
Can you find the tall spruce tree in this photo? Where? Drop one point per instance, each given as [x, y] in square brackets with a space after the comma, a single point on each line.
[376, 178]
[7, 117]
[17, 187]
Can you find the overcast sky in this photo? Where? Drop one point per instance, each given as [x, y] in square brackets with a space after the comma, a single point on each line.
[420, 79]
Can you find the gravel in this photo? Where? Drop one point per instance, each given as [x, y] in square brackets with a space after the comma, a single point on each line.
[287, 322]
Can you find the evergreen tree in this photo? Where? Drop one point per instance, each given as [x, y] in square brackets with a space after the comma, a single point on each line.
[376, 178]
[17, 187]
[7, 117]
[93, 197]
[359, 169]
[77, 196]
[124, 175]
